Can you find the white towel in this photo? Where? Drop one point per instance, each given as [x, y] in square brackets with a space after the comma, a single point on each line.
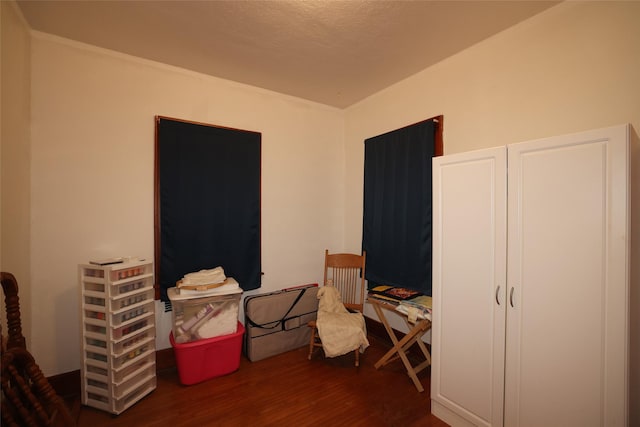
[224, 322]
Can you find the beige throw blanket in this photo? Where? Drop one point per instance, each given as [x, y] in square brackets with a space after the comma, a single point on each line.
[340, 331]
[204, 277]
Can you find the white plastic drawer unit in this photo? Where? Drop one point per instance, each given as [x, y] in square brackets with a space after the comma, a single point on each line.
[118, 334]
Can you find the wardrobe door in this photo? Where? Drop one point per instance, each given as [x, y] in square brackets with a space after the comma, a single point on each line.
[469, 278]
[567, 313]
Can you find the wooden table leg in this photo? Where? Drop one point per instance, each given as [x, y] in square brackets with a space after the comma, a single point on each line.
[421, 343]
[414, 335]
[384, 359]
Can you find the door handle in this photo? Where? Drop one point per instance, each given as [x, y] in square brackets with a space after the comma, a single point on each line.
[498, 295]
[511, 297]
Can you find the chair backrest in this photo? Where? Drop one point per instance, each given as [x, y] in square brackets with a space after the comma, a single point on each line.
[347, 273]
[12, 306]
[27, 397]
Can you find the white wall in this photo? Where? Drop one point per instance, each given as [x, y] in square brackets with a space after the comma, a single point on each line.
[15, 152]
[92, 174]
[572, 68]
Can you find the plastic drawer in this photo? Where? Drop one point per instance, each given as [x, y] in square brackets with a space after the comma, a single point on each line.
[133, 312]
[95, 329]
[97, 382]
[135, 395]
[99, 399]
[147, 335]
[92, 286]
[92, 369]
[132, 382]
[130, 328]
[120, 375]
[129, 286]
[129, 272]
[94, 300]
[94, 314]
[144, 336]
[128, 300]
[95, 342]
[94, 355]
[132, 356]
[93, 272]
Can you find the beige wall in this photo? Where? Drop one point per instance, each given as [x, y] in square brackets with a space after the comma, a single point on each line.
[15, 151]
[575, 67]
[90, 177]
[92, 173]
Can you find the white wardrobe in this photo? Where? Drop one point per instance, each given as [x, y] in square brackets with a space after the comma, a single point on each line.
[531, 283]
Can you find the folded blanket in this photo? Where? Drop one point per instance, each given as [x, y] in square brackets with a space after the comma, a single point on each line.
[224, 288]
[204, 277]
[340, 331]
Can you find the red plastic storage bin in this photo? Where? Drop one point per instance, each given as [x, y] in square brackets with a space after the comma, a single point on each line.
[201, 360]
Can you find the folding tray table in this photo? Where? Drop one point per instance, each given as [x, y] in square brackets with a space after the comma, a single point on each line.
[416, 331]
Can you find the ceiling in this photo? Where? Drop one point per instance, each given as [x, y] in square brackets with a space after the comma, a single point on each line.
[332, 52]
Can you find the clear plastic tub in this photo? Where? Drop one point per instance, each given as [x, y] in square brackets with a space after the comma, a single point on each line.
[198, 317]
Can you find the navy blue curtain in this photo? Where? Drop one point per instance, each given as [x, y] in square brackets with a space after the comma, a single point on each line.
[397, 207]
[207, 201]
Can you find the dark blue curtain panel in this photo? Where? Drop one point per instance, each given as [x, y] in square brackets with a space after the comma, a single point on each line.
[397, 207]
[208, 201]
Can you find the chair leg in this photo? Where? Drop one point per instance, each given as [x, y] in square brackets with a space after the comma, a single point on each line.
[312, 341]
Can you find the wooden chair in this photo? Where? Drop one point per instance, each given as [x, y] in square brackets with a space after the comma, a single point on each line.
[346, 272]
[27, 397]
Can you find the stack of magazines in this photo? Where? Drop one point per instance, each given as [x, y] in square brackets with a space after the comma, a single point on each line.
[407, 301]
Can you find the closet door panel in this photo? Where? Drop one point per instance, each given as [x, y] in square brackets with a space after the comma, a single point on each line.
[564, 287]
[469, 265]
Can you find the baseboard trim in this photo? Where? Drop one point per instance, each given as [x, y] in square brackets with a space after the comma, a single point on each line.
[67, 385]
[165, 359]
[376, 329]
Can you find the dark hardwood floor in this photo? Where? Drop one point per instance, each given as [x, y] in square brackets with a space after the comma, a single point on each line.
[284, 390]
